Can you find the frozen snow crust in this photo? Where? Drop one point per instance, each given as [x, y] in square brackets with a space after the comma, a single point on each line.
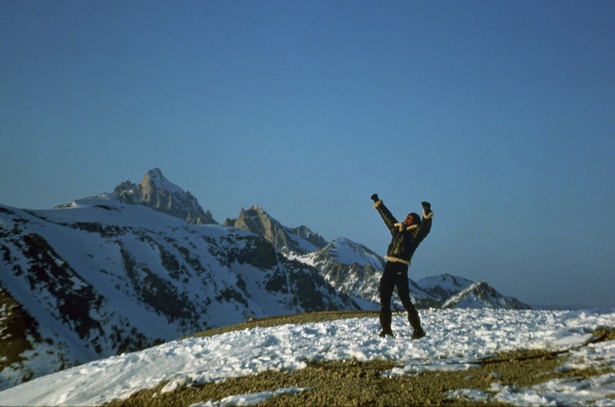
[456, 339]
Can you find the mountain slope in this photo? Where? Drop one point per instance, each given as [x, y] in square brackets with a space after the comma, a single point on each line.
[350, 267]
[102, 277]
[353, 269]
[333, 362]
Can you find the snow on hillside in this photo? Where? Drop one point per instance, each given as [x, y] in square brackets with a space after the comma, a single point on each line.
[348, 252]
[341, 251]
[456, 340]
[446, 282]
[99, 277]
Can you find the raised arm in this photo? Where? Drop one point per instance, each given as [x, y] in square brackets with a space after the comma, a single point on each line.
[425, 225]
[385, 213]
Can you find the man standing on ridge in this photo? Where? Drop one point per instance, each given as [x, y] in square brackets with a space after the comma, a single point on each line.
[406, 238]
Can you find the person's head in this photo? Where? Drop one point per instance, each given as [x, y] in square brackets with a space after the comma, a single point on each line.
[412, 219]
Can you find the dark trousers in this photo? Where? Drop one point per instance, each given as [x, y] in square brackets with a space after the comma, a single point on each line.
[396, 275]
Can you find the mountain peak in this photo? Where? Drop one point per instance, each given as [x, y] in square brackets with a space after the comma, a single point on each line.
[298, 240]
[346, 251]
[162, 195]
[482, 295]
[154, 180]
[257, 208]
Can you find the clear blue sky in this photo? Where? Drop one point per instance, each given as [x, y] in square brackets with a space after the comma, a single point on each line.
[500, 113]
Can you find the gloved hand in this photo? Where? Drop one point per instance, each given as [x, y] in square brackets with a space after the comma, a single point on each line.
[375, 197]
[426, 206]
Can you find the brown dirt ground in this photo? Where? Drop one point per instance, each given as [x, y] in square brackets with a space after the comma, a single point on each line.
[352, 383]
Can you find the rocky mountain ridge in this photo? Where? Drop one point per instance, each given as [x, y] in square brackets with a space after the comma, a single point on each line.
[297, 240]
[103, 277]
[157, 192]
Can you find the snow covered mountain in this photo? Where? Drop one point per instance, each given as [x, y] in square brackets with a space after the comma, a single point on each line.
[102, 277]
[350, 268]
[482, 295]
[354, 269]
[145, 264]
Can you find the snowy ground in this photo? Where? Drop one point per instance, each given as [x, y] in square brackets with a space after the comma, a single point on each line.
[457, 338]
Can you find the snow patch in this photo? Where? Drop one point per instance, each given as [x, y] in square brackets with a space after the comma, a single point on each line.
[456, 339]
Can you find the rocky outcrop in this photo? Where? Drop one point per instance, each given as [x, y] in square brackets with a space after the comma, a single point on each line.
[162, 195]
[299, 240]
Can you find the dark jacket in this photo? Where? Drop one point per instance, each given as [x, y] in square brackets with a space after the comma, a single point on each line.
[405, 238]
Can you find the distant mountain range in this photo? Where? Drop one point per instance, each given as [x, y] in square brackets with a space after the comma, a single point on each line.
[353, 269]
[145, 264]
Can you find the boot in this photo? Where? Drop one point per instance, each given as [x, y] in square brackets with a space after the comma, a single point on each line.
[383, 333]
[415, 322]
[385, 323]
[418, 333]
[414, 319]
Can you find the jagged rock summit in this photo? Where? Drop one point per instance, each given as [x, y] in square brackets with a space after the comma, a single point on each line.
[162, 195]
[299, 240]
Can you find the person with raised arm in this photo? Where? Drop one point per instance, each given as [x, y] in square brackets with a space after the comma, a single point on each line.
[406, 237]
